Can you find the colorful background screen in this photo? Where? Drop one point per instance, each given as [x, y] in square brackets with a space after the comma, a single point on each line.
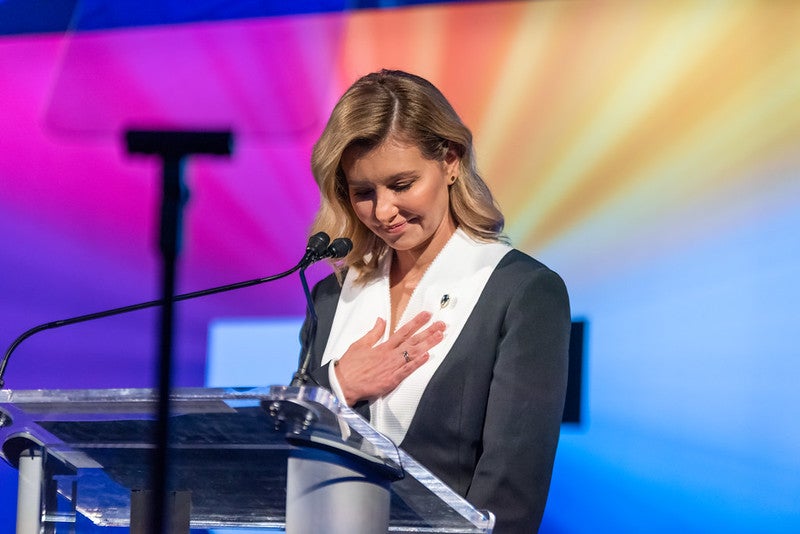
[649, 152]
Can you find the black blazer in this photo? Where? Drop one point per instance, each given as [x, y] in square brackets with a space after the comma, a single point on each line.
[488, 422]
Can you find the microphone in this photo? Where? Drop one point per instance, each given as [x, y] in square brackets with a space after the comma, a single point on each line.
[316, 249]
[340, 248]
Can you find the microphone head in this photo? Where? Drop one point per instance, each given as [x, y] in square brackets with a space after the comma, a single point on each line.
[340, 247]
[317, 244]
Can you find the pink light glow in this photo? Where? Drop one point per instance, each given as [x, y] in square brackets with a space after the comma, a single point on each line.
[79, 216]
[263, 76]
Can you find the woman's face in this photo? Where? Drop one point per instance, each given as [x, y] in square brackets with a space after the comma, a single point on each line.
[400, 195]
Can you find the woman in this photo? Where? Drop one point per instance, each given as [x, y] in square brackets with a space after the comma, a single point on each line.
[450, 341]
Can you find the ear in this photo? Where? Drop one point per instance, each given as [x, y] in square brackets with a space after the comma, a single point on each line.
[452, 163]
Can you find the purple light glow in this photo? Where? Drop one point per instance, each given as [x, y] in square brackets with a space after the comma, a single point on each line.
[79, 216]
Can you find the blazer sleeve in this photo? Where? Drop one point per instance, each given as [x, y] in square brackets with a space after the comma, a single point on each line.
[525, 405]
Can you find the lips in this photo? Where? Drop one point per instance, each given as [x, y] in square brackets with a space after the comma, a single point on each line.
[395, 228]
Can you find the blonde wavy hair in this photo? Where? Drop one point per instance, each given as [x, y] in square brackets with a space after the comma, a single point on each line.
[410, 107]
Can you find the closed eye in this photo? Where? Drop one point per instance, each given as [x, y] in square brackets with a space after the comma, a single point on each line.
[361, 193]
[401, 186]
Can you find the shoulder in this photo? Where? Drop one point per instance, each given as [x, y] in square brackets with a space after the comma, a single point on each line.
[522, 277]
[326, 292]
[512, 262]
[329, 284]
[518, 265]
[518, 260]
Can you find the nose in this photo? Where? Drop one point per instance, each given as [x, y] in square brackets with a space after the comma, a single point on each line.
[385, 208]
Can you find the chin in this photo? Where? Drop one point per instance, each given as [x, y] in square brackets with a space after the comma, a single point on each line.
[411, 243]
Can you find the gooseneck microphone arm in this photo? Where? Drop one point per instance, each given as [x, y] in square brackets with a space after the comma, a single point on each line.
[316, 250]
[301, 377]
[340, 248]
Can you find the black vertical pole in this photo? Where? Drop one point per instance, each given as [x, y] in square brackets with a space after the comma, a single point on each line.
[173, 147]
[173, 200]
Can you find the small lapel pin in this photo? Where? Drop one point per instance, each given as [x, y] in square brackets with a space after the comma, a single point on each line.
[445, 301]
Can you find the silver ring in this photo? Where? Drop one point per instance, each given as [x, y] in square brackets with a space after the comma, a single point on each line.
[405, 356]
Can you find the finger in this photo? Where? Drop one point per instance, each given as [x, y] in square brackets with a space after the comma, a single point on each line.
[433, 329]
[428, 342]
[376, 332]
[405, 331]
[412, 365]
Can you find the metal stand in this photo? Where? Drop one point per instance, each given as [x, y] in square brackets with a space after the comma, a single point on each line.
[179, 508]
[327, 493]
[172, 147]
[29, 494]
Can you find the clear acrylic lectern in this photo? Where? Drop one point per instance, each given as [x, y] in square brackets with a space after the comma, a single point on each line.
[85, 452]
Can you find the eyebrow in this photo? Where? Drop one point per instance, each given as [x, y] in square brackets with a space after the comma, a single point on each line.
[393, 178]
